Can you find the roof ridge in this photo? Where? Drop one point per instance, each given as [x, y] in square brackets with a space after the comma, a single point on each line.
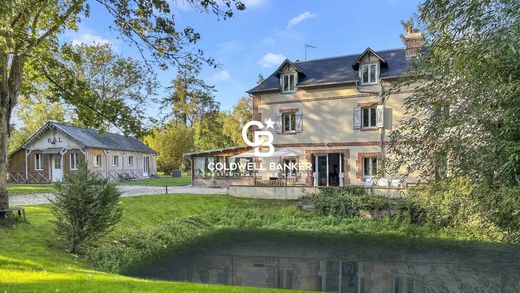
[348, 55]
[88, 128]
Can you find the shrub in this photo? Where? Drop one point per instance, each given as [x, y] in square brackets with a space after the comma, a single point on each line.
[86, 207]
[501, 206]
[347, 201]
[450, 204]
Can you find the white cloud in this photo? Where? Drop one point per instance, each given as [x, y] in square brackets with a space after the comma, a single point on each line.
[253, 3]
[299, 18]
[90, 39]
[271, 59]
[268, 41]
[222, 75]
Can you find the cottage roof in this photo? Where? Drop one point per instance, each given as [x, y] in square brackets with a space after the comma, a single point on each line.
[88, 137]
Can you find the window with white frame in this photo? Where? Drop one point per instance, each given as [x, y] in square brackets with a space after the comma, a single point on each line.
[289, 122]
[97, 160]
[403, 284]
[370, 166]
[74, 161]
[115, 160]
[288, 82]
[369, 117]
[38, 162]
[368, 73]
[290, 168]
[130, 161]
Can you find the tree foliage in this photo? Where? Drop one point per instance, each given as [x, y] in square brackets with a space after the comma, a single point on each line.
[465, 104]
[233, 121]
[171, 142]
[85, 208]
[29, 34]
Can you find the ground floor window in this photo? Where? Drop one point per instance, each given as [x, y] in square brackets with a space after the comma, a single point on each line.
[115, 160]
[74, 161]
[370, 166]
[130, 161]
[97, 160]
[38, 162]
[290, 168]
[328, 168]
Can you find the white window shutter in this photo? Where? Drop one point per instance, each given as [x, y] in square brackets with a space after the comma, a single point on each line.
[278, 124]
[380, 114]
[299, 122]
[388, 118]
[356, 115]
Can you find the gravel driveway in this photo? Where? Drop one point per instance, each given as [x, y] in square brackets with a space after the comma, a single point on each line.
[126, 191]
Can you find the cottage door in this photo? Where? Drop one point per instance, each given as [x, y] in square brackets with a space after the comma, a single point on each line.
[57, 168]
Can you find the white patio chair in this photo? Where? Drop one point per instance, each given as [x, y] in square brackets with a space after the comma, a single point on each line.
[369, 183]
[397, 183]
[382, 182]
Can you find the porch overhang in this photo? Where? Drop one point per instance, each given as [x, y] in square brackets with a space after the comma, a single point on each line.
[52, 151]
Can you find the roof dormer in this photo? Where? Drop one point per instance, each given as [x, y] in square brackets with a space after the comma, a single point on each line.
[369, 65]
[289, 74]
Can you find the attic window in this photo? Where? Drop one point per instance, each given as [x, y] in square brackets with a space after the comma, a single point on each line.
[288, 82]
[368, 73]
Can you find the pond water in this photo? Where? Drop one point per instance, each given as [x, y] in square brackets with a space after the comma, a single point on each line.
[351, 264]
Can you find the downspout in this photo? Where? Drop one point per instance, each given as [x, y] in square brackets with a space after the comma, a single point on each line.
[106, 163]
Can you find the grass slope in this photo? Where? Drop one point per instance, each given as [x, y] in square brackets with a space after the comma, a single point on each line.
[32, 261]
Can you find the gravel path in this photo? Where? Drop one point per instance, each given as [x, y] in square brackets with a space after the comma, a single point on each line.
[126, 191]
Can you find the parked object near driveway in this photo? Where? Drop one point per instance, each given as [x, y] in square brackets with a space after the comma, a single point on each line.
[176, 173]
[56, 151]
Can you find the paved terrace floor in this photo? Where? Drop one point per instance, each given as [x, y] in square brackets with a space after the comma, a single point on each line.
[126, 191]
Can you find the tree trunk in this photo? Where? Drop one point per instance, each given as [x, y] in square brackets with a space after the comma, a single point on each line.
[4, 141]
[10, 83]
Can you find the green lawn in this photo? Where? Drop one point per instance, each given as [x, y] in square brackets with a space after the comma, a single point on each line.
[16, 189]
[32, 261]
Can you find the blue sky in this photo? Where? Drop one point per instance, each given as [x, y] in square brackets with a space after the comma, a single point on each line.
[255, 41]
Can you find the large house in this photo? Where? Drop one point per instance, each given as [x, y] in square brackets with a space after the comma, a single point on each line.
[329, 114]
[56, 150]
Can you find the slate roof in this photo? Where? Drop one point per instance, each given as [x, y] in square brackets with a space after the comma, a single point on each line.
[337, 70]
[93, 138]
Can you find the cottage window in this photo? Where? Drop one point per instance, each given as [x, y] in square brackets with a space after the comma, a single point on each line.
[38, 162]
[369, 117]
[115, 160]
[97, 160]
[403, 284]
[130, 161]
[369, 167]
[368, 74]
[74, 161]
[288, 82]
[289, 122]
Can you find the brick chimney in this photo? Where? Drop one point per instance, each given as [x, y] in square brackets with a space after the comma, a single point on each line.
[413, 41]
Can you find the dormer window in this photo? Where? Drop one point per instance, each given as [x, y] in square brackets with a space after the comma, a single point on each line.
[288, 82]
[368, 73]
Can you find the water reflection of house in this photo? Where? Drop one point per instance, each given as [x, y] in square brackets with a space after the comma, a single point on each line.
[330, 110]
[349, 276]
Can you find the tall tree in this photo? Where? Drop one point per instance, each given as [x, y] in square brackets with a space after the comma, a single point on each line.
[465, 105]
[208, 134]
[29, 30]
[190, 99]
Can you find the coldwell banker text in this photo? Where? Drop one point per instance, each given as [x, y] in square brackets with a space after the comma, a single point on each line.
[273, 166]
